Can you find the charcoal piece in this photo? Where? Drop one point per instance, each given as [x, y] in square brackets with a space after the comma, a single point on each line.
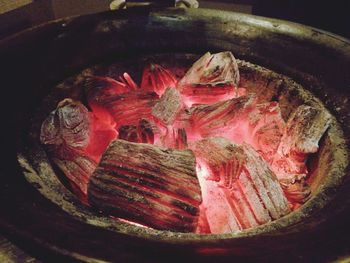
[203, 224]
[128, 81]
[266, 127]
[217, 212]
[68, 124]
[75, 140]
[212, 78]
[238, 173]
[98, 90]
[102, 133]
[168, 106]
[120, 102]
[266, 183]
[146, 131]
[175, 138]
[153, 186]
[128, 108]
[77, 168]
[226, 118]
[304, 129]
[214, 69]
[296, 190]
[158, 79]
[142, 133]
[128, 133]
[101, 88]
[220, 157]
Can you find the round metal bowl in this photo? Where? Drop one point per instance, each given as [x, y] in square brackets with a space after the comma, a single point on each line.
[34, 61]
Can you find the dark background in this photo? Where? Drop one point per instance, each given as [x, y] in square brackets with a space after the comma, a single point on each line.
[329, 15]
[333, 16]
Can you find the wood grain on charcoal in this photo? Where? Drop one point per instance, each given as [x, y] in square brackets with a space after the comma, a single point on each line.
[153, 186]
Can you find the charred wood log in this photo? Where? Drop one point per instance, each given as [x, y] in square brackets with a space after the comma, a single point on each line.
[154, 186]
[237, 185]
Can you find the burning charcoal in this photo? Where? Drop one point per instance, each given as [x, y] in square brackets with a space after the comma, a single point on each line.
[203, 224]
[101, 135]
[216, 214]
[128, 108]
[68, 125]
[158, 79]
[297, 191]
[143, 133]
[75, 140]
[226, 118]
[101, 88]
[78, 169]
[128, 81]
[168, 106]
[128, 133]
[212, 78]
[174, 138]
[266, 129]
[121, 103]
[154, 186]
[304, 129]
[237, 177]
[146, 131]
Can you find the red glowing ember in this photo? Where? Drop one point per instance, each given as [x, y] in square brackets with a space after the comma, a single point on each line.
[196, 154]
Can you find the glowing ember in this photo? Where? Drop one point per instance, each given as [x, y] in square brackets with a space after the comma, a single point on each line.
[193, 155]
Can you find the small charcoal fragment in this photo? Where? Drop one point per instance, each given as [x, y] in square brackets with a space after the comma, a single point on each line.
[146, 131]
[212, 78]
[142, 133]
[158, 79]
[168, 106]
[128, 133]
[128, 81]
[297, 191]
[237, 178]
[154, 186]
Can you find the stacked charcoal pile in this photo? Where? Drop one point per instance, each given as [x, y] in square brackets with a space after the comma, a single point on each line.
[196, 154]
